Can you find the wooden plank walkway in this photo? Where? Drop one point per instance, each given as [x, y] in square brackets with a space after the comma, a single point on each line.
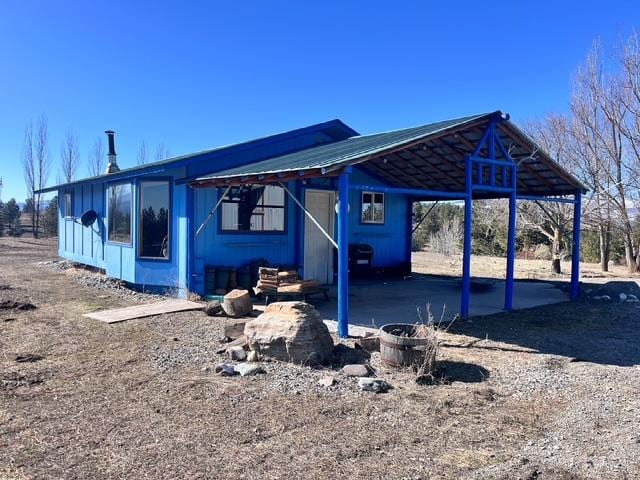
[139, 311]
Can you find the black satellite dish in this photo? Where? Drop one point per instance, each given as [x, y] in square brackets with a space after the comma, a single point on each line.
[88, 218]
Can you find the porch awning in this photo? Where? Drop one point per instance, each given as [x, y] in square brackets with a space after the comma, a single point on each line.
[429, 157]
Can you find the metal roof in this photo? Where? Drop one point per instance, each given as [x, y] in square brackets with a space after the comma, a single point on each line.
[341, 152]
[427, 157]
[331, 127]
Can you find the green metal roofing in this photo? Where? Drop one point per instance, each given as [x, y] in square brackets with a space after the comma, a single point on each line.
[342, 152]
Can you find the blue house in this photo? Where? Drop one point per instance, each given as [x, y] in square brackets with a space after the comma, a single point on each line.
[279, 198]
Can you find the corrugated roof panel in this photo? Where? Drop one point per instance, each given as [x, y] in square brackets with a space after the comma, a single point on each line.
[340, 152]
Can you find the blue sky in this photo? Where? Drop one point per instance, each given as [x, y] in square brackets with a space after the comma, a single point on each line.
[195, 75]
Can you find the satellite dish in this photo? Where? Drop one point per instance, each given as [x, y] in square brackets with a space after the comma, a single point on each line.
[88, 218]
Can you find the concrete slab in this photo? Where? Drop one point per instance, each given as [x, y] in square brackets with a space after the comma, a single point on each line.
[377, 302]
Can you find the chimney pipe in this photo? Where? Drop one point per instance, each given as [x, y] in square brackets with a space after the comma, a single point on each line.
[112, 166]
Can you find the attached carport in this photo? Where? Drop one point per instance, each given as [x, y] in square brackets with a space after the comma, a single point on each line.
[477, 157]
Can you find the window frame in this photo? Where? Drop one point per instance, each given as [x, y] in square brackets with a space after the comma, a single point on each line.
[284, 207]
[169, 182]
[384, 207]
[68, 212]
[131, 212]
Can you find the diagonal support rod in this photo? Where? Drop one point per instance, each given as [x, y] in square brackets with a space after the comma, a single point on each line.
[315, 222]
[213, 210]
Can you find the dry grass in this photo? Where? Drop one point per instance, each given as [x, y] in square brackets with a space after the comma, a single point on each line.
[495, 267]
[96, 405]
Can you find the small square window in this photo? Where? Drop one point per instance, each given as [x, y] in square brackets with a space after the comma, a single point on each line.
[68, 205]
[372, 208]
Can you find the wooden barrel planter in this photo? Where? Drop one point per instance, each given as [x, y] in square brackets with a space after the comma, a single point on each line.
[398, 348]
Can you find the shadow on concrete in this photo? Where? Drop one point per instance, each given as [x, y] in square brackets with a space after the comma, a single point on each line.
[604, 332]
[377, 301]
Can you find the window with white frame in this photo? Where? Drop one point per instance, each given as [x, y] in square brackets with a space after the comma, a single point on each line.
[253, 208]
[372, 210]
[68, 205]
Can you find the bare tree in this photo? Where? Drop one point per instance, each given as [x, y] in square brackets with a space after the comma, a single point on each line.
[42, 165]
[70, 156]
[29, 167]
[552, 219]
[162, 152]
[142, 154]
[96, 163]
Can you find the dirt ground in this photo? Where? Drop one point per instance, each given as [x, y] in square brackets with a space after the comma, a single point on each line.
[547, 393]
[494, 267]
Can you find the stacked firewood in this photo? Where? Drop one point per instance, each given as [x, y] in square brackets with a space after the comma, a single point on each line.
[283, 280]
[267, 279]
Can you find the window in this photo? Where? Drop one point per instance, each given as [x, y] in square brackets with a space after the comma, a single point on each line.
[68, 205]
[119, 213]
[253, 208]
[153, 240]
[372, 207]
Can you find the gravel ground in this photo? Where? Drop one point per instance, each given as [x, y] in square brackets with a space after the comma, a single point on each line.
[546, 393]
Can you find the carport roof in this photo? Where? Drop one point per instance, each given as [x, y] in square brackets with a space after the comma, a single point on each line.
[429, 156]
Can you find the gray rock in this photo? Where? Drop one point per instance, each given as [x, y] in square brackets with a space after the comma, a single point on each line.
[292, 332]
[225, 369]
[327, 381]
[250, 368]
[370, 343]
[213, 308]
[356, 370]
[236, 353]
[376, 385]
[253, 356]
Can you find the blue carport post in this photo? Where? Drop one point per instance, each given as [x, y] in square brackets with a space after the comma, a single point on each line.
[466, 249]
[343, 253]
[575, 254]
[511, 243]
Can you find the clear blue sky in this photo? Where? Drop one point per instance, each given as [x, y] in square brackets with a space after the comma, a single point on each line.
[200, 74]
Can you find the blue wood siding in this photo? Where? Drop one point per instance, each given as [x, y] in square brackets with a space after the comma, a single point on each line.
[82, 244]
[389, 240]
[188, 256]
[235, 250]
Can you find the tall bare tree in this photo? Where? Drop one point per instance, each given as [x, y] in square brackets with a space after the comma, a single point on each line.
[70, 156]
[162, 152]
[143, 156]
[29, 167]
[551, 219]
[42, 165]
[96, 162]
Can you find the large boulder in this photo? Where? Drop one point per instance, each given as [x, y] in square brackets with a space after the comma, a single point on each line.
[291, 332]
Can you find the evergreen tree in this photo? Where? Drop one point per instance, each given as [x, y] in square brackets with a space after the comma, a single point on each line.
[50, 218]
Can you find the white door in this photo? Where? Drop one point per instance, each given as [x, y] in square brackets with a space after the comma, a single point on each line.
[318, 251]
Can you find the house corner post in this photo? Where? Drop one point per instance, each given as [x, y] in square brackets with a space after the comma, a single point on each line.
[343, 254]
[575, 254]
[466, 250]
